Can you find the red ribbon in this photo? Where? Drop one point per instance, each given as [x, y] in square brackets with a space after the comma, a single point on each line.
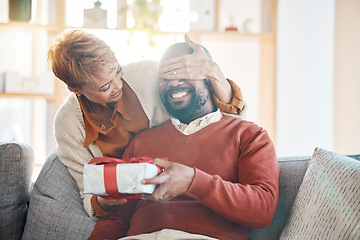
[110, 182]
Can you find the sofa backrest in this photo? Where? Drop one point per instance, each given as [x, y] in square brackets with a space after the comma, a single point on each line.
[16, 167]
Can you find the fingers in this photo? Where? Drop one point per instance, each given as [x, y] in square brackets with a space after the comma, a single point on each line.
[162, 178]
[161, 163]
[169, 68]
[121, 201]
[192, 44]
[155, 197]
[187, 66]
[174, 181]
[107, 203]
[172, 64]
[171, 75]
[159, 194]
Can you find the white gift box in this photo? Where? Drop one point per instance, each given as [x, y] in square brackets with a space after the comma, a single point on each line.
[126, 177]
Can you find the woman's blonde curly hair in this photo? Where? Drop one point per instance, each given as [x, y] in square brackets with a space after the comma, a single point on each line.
[77, 58]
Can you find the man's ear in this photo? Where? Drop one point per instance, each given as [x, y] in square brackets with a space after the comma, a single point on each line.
[74, 90]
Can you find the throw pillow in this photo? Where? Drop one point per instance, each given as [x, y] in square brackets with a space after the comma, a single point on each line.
[327, 205]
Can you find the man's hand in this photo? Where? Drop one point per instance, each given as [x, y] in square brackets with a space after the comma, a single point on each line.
[174, 181]
[197, 66]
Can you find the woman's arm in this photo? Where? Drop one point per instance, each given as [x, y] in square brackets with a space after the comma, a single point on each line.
[69, 128]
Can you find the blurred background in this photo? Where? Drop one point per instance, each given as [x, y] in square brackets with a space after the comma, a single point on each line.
[296, 61]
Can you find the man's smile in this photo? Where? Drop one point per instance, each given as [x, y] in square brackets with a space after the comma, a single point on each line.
[179, 94]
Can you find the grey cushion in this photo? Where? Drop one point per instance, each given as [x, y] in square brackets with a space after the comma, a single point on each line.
[327, 204]
[16, 166]
[292, 171]
[56, 210]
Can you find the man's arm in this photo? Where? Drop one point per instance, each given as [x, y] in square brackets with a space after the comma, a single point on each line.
[251, 201]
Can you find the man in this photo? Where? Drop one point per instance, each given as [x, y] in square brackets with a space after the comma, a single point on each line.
[221, 179]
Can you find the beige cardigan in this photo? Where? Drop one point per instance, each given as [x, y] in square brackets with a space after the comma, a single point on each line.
[69, 124]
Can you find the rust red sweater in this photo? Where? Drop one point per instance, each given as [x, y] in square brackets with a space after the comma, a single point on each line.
[235, 187]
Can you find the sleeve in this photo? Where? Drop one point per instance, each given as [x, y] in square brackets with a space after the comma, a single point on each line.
[252, 200]
[116, 225]
[236, 105]
[147, 91]
[69, 131]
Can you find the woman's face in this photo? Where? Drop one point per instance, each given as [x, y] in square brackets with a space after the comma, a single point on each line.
[107, 90]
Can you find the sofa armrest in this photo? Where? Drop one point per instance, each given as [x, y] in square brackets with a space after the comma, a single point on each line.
[16, 167]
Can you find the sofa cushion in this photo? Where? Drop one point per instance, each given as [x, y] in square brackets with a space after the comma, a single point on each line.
[56, 210]
[292, 170]
[16, 166]
[327, 204]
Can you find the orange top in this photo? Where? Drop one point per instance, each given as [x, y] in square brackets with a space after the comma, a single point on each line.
[127, 119]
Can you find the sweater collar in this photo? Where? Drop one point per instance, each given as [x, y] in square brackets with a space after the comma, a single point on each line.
[196, 124]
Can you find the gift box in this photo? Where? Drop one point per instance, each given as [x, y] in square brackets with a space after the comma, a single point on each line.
[116, 178]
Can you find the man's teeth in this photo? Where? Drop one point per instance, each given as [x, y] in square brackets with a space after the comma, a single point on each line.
[178, 94]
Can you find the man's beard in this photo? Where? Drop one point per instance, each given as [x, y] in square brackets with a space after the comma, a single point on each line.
[197, 101]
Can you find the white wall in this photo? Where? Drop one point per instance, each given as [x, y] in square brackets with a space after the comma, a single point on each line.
[240, 62]
[347, 77]
[305, 48]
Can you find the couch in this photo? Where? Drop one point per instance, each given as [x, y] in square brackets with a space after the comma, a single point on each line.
[16, 161]
[54, 210]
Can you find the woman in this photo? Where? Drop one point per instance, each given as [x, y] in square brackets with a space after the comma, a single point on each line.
[113, 103]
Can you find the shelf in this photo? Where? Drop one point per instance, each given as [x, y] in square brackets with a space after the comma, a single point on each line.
[47, 97]
[97, 28]
[18, 24]
[224, 34]
[233, 34]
